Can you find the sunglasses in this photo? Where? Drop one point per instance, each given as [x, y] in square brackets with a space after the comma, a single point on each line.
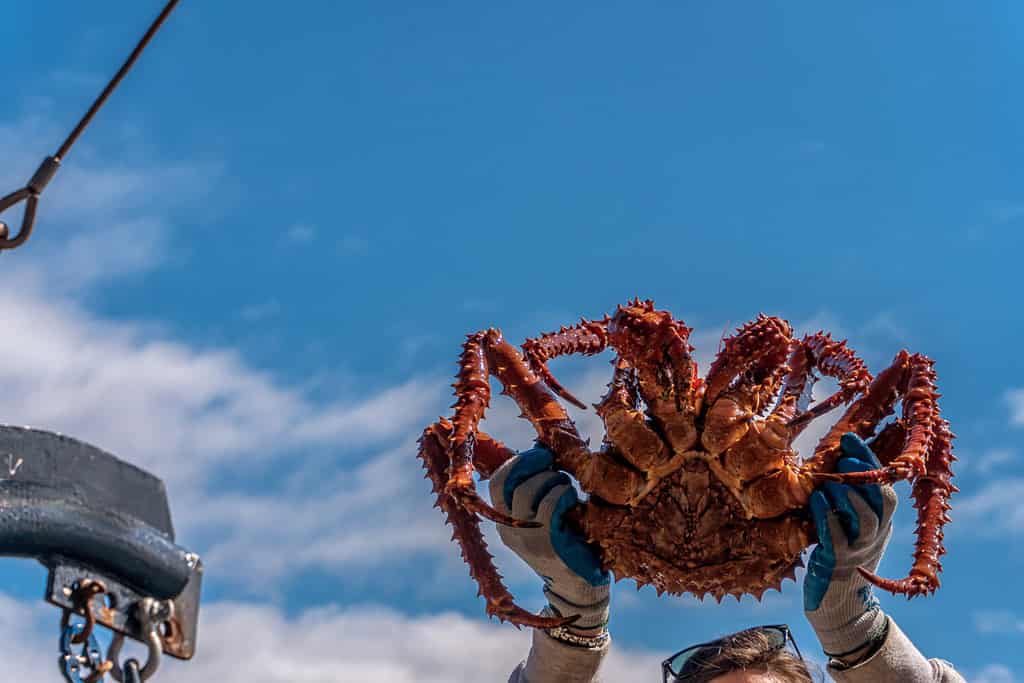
[673, 669]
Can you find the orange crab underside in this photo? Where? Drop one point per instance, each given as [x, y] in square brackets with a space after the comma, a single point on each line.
[696, 487]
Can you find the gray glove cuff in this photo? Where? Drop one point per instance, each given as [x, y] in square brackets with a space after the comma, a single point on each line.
[842, 638]
[593, 616]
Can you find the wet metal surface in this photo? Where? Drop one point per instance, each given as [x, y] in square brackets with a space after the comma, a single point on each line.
[85, 514]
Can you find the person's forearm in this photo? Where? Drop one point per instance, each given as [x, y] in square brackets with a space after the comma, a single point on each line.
[896, 661]
[551, 661]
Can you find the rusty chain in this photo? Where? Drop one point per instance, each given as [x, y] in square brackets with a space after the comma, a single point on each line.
[151, 614]
[44, 174]
[81, 633]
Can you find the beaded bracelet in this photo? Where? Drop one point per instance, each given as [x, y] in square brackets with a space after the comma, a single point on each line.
[871, 648]
[564, 635]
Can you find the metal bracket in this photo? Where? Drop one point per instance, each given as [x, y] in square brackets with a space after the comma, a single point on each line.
[177, 638]
[83, 513]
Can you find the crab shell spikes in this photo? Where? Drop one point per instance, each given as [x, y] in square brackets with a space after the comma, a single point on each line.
[696, 487]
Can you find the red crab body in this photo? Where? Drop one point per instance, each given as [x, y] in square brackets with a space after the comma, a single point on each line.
[696, 488]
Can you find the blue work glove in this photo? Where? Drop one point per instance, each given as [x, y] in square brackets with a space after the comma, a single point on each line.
[854, 524]
[529, 489]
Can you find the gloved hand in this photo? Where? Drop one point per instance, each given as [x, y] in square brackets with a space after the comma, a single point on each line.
[528, 488]
[854, 524]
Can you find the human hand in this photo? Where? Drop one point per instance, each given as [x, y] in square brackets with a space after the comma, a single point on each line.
[854, 524]
[527, 487]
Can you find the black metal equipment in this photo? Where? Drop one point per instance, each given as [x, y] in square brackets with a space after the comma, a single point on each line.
[103, 528]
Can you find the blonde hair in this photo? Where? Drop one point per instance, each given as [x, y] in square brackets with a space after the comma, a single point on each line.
[747, 651]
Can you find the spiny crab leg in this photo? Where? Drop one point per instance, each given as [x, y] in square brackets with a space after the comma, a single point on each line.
[926, 458]
[931, 498]
[658, 347]
[588, 337]
[474, 394]
[833, 359]
[864, 415]
[889, 443]
[434, 447]
[490, 454]
[931, 493]
[745, 349]
[450, 456]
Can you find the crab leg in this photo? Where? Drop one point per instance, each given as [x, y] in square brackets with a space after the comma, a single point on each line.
[587, 337]
[466, 530]
[931, 498]
[741, 382]
[473, 393]
[889, 442]
[599, 473]
[877, 403]
[658, 348]
[490, 454]
[628, 433]
[833, 359]
[920, 416]
[747, 349]
[926, 458]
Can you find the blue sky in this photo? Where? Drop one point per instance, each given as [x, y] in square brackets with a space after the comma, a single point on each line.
[253, 274]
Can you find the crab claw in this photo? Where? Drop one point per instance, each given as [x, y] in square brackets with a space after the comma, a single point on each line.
[912, 586]
[469, 500]
[519, 617]
[541, 369]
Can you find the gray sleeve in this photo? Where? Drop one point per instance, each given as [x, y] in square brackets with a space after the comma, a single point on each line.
[553, 662]
[898, 661]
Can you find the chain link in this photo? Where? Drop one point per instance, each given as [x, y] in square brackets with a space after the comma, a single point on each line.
[82, 596]
[150, 613]
[90, 657]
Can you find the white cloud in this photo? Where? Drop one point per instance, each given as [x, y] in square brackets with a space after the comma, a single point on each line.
[1001, 211]
[249, 643]
[261, 311]
[167, 405]
[997, 621]
[188, 415]
[996, 508]
[885, 324]
[76, 78]
[358, 519]
[98, 219]
[353, 244]
[992, 459]
[1015, 398]
[30, 631]
[995, 673]
[301, 233]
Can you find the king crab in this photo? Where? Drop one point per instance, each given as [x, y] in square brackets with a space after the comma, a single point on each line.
[701, 491]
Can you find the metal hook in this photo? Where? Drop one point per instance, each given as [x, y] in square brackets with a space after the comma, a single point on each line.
[44, 174]
[30, 195]
[151, 613]
[82, 597]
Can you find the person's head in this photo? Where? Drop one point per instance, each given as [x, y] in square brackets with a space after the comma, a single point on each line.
[757, 655]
